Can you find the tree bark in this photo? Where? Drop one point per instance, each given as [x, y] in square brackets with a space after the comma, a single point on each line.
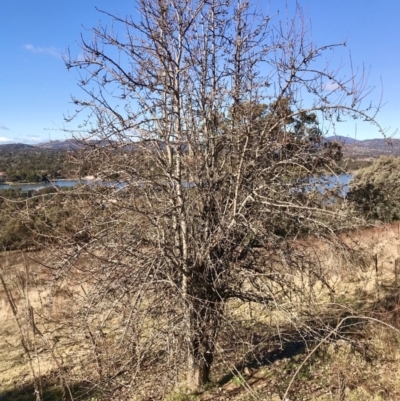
[200, 359]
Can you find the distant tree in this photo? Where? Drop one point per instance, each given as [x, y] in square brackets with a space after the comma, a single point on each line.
[27, 161]
[32, 177]
[210, 146]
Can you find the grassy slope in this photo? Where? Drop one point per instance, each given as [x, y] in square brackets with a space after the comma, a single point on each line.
[360, 362]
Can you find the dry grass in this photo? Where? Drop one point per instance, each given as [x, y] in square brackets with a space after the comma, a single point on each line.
[359, 361]
[30, 311]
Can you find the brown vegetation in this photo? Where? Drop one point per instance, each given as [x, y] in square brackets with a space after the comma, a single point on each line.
[211, 245]
[279, 344]
[375, 190]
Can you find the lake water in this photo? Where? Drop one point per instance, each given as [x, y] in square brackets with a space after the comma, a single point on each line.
[341, 181]
[41, 185]
[329, 182]
[344, 179]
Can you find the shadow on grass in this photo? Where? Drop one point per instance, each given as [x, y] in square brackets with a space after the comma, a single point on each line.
[387, 308]
[266, 351]
[267, 348]
[52, 391]
[287, 349]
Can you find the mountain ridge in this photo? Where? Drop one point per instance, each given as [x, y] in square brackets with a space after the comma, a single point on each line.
[352, 147]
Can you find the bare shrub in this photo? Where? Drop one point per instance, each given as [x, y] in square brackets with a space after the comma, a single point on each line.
[205, 133]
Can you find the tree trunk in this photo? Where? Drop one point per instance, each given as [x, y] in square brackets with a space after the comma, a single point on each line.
[200, 359]
[205, 318]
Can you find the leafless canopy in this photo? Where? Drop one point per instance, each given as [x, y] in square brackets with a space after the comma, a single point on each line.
[204, 123]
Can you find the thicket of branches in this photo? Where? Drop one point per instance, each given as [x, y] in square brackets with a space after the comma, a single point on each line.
[212, 174]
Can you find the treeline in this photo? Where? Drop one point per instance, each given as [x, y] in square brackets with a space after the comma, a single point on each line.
[24, 163]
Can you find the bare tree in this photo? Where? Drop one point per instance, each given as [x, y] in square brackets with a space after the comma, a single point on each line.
[204, 124]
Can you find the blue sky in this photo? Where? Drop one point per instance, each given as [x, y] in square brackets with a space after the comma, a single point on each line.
[35, 86]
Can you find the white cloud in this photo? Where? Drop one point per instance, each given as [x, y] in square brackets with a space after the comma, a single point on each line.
[29, 139]
[52, 51]
[4, 127]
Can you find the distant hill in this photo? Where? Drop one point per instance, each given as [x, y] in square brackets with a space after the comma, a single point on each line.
[70, 144]
[374, 148]
[345, 139]
[352, 147]
[368, 147]
[15, 147]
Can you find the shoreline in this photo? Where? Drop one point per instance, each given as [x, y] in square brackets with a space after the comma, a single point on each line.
[12, 183]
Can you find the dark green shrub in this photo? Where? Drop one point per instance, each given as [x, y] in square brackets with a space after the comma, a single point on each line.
[375, 190]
